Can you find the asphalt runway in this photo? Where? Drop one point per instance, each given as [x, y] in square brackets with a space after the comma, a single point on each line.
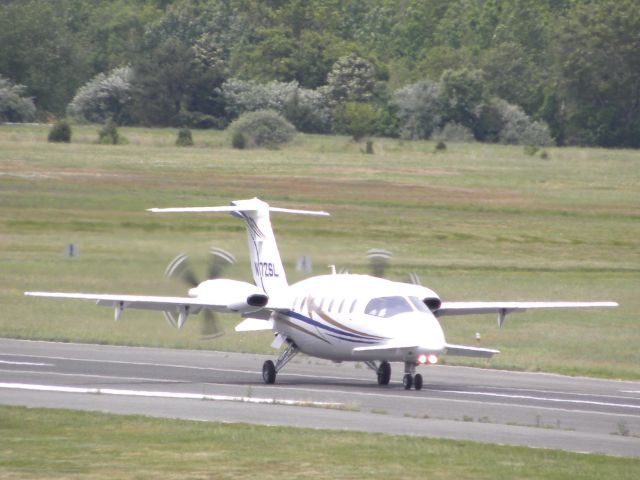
[513, 408]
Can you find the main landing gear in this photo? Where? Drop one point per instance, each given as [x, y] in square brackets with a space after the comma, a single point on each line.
[383, 371]
[270, 370]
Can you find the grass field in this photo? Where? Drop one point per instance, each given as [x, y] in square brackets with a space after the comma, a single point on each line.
[60, 444]
[476, 222]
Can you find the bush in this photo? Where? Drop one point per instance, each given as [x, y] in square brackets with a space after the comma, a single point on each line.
[419, 108]
[263, 128]
[454, 133]
[185, 138]
[519, 129]
[306, 109]
[109, 135]
[238, 140]
[356, 119]
[60, 132]
[103, 97]
[13, 106]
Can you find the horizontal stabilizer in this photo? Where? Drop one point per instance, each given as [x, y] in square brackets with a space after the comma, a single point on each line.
[466, 351]
[384, 349]
[254, 325]
[235, 208]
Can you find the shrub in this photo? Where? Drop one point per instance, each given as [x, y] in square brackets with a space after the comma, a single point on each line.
[455, 133]
[356, 119]
[103, 97]
[306, 109]
[238, 140]
[369, 147]
[109, 135]
[263, 128]
[185, 139]
[519, 129]
[441, 146]
[14, 107]
[60, 132]
[419, 108]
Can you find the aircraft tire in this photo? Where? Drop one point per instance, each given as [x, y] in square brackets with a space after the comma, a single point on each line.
[384, 373]
[417, 382]
[407, 381]
[269, 372]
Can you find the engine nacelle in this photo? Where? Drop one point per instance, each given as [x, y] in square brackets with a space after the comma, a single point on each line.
[430, 298]
[433, 303]
[242, 297]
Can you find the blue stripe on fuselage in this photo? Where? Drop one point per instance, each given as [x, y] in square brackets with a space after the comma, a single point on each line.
[353, 341]
[315, 323]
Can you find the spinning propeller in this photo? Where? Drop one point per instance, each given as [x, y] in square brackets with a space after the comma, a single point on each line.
[379, 260]
[180, 268]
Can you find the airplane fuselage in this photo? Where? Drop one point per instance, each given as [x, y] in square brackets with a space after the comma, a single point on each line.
[331, 315]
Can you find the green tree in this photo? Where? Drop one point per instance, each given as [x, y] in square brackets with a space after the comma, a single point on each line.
[103, 97]
[357, 119]
[14, 106]
[463, 94]
[597, 60]
[114, 31]
[352, 78]
[176, 85]
[38, 49]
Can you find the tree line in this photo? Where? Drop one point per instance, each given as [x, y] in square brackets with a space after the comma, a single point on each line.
[511, 71]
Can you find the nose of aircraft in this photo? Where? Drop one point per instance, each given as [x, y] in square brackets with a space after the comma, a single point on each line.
[425, 330]
[432, 336]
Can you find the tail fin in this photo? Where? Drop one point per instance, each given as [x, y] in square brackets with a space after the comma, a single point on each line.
[266, 264]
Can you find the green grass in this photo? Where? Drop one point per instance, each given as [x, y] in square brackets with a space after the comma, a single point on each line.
[38, 443]
[475, 222]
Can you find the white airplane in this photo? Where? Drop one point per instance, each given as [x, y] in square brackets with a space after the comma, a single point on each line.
[340, 317]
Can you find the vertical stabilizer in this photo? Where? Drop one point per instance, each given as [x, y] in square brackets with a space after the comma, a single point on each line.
[266, 265]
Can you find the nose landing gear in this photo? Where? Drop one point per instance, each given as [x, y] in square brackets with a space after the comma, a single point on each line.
[411, 379]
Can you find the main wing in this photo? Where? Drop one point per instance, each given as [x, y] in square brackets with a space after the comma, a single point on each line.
[503, 308]
[182, 306]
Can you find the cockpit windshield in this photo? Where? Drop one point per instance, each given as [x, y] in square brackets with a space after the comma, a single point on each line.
[386, 307]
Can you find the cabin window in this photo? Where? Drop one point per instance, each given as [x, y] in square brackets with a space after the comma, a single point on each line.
[330, 307]
[386, 307]
[353, 305]
[321, 303]
[304, 301]
[341, 305]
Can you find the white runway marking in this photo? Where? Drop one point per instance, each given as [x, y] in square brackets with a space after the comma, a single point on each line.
[194, 367]
[172, 395]
[30, 364]
[545, 399]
